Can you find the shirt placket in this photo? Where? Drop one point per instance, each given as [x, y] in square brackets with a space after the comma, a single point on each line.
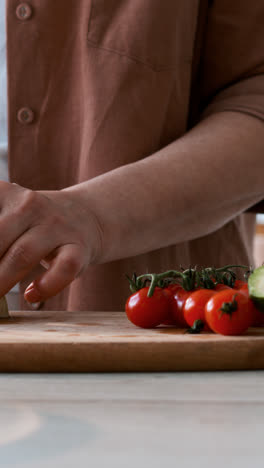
[22, 84]
[23, 87]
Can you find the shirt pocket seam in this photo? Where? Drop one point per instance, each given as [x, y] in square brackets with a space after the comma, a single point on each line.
[136, 59]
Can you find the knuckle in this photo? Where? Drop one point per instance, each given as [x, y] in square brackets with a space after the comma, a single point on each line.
[71, 266]
[28, 201]
[20, 255]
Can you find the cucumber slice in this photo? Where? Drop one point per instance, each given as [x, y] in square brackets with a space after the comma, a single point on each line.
[256, 287]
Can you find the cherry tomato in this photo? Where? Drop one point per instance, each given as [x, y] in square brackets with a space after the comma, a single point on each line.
[237, 317]
[244, 288]
[258, 320]
[178, 302]
[170, 321]
[221, 287]
[170, 290]
[193, 308]
[148, 312]
[239, 284]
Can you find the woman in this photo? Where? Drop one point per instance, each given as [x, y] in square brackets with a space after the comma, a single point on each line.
[110, 178]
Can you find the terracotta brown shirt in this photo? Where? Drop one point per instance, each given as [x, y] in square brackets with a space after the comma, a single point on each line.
[97, 84]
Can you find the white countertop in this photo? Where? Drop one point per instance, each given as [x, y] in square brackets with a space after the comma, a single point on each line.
[132, 420]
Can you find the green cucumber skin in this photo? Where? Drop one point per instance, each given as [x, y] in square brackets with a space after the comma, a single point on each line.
[259, 303]
[255, 294]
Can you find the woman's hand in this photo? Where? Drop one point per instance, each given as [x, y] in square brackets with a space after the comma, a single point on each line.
[48, 227]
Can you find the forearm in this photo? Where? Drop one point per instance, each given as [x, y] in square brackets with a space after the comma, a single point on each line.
[184, 191]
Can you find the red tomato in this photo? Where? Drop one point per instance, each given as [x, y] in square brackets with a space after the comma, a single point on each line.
[148, 312]
[193, 308]
[258, 320]
[236, 321]
[170, 290]
[178, 302]
[170, 322]
[221, 287]
[239, 284]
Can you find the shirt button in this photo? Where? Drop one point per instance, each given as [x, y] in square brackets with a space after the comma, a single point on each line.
[25, 115]
[23, 11]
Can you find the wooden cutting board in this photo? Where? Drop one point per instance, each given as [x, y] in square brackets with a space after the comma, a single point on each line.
[106, 341]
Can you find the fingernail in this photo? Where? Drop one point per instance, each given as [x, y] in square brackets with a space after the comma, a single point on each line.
[32, 295]
[30, 286]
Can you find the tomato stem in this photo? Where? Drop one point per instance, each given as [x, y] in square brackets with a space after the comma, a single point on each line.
[190, 278]
[155, 278]
[229, 307]
[231, 266]
[198, 326]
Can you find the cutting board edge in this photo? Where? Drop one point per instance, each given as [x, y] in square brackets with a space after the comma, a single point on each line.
[126, 357]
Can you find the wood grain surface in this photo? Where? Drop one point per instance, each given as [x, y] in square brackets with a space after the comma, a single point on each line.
[106, 342]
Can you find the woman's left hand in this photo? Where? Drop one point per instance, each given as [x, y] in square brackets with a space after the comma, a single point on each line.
[48, 227]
